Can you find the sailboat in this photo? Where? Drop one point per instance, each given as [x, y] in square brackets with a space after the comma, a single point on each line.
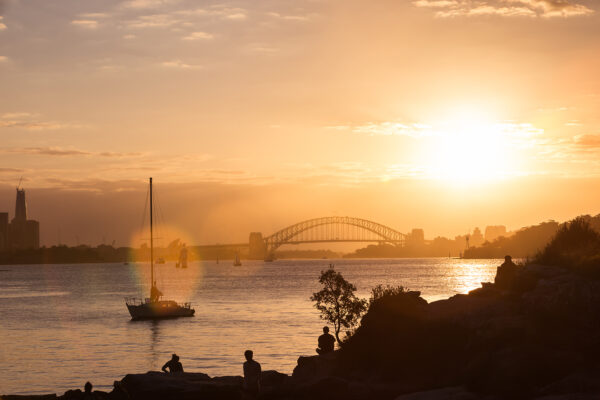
[236, 261]
[154, 307]
[182, 263]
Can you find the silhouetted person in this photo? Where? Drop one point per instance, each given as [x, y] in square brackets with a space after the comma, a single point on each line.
[87, 394]
[173, 364]
[326, 342]
[155, 293]
[251, 375]
[505, 274]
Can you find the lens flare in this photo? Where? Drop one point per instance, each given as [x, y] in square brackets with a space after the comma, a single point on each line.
[176, 275]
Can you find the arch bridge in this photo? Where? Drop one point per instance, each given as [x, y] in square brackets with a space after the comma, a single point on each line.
[333, 229]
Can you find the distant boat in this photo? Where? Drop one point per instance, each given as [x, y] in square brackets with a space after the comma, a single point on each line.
[160, 260]
[236, 261]
[182, 263]
[153, 307]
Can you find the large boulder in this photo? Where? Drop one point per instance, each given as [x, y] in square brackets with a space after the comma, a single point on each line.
[180, 386]
[315, 367]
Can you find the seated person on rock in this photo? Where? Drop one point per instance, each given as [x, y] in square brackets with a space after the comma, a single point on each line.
[173, 364]
[505, 274]
[87, 394]
[326, 342]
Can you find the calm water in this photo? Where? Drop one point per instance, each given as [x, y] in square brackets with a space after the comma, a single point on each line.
[61, 325]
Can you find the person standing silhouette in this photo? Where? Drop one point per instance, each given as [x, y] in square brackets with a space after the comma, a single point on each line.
[326, 342]
[252, 372]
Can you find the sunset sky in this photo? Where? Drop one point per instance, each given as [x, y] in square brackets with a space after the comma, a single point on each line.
[253, 115]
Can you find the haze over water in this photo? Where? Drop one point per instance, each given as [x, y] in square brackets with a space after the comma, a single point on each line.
[65, 324]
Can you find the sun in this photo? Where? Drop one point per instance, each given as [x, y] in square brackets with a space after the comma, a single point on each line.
[469, 147]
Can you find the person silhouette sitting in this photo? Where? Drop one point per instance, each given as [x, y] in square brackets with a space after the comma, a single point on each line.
[87, 394]
[155, 293]
[326, 342]
[252, 372]
[506, 273]
[173, 364]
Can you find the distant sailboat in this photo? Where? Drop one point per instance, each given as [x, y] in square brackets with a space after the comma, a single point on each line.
[236, 261]
[182, 263]
[153, 307]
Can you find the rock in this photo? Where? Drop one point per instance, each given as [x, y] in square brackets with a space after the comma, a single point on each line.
[581, 383]
[451, 393]
[76, 394]
[329, 388]
[180, 386]
[314, 367]
[272, 378]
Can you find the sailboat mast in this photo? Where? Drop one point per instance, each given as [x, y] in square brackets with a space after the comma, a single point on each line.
[151, 241]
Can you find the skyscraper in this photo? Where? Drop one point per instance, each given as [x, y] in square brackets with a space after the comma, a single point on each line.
[23, 233]
[3, 231]
[20, 206]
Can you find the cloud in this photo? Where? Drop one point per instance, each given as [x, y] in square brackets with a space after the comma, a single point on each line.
[10, 170]
[69, 151]
[388, 128]
[236, 16]
[153, 21]
[32, 122]
[147, 4]
[587, 142]
[505, 8]
[3, 59]
[85, 23]
[261, 48]
[198, 36]
[178, 64]
[2, 25]
[516, 134]
[300, 18]
[94, 15]
[184, 17]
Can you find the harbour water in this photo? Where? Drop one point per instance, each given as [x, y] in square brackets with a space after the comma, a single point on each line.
[62, 325]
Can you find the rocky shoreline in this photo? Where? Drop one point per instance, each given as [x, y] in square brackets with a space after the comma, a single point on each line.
[533, 335]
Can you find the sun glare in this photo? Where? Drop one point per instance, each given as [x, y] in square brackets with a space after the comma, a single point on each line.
[469, 147]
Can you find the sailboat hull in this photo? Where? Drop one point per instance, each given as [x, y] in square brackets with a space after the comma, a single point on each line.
[159, 310]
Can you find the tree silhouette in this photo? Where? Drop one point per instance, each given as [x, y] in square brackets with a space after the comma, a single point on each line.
[337, 302]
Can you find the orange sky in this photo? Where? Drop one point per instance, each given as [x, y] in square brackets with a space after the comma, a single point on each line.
[251, 115]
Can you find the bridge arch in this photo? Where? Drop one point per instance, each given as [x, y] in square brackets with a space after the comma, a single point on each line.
[293, 233]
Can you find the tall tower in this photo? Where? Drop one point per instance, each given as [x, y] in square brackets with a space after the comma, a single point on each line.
[23, 233]
[20, 206]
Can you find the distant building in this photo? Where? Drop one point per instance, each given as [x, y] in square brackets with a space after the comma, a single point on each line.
[3, 231]
[257, 248]
[476, 238]
[493, 232]
[416, 237]
[22, 233]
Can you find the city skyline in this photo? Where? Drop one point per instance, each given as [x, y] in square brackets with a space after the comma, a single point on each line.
[440, 115]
